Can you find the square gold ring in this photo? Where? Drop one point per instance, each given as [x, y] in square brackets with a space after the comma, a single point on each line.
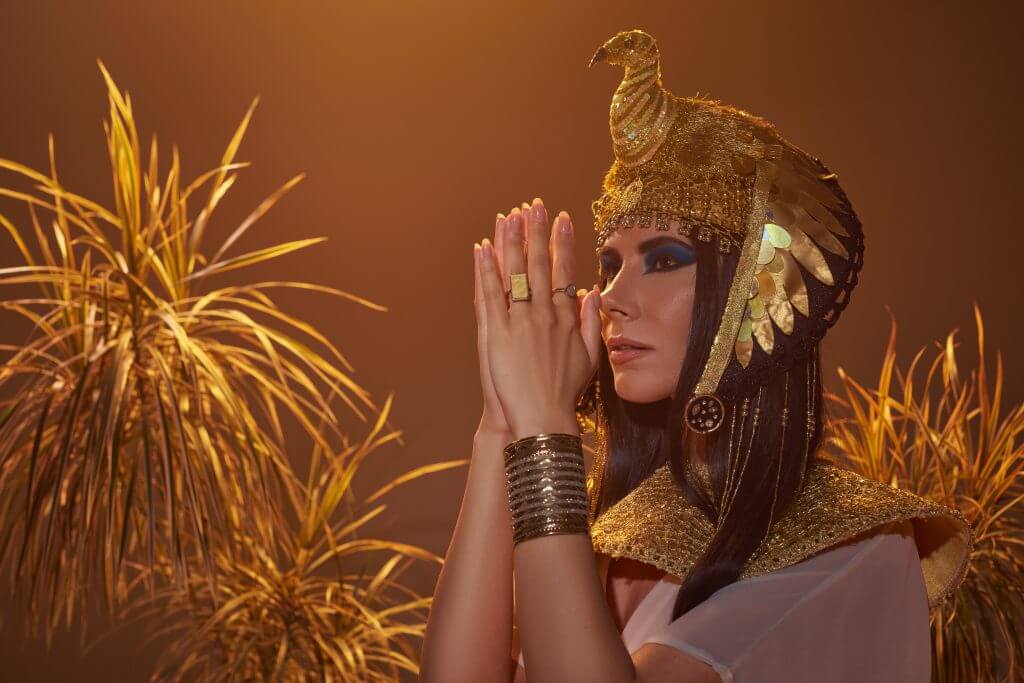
[520, 287]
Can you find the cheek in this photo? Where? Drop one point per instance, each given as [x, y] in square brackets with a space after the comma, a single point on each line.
[668, 310]
[674, 313]
[672, 352]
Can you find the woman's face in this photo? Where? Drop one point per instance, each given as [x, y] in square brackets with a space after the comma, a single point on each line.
[647, 279]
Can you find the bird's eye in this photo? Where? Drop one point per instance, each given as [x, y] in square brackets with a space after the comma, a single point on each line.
[628, 42]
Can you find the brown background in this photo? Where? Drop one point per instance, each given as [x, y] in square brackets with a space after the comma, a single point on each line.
[416, 122]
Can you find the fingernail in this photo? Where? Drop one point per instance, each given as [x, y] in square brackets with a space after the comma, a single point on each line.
[488, 250]
[538, 210]
[513, 225]
[566, 225]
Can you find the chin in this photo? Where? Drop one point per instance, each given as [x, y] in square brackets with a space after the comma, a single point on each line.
[639, 387]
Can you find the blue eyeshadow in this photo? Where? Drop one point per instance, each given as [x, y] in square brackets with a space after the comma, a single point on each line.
[683, 255]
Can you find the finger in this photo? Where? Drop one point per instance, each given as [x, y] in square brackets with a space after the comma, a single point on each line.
[538, 255]
[494, 295]
[564, 263]
[478, 294]
[515, 259]
[525, 209]
[499, 246]
[590, 325]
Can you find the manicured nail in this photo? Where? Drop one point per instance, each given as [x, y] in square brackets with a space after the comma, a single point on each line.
[488, 249]
[538, 210]
[514, 225]
[566, 225]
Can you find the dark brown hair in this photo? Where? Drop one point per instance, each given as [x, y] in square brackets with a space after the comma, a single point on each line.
[642, 437]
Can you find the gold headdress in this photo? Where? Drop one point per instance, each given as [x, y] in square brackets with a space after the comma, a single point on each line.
[714, 172]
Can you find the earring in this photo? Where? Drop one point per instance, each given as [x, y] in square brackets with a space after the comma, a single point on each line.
[782, 445]
[704, 413]
[737, 462]
[812, 378]
[596, 475]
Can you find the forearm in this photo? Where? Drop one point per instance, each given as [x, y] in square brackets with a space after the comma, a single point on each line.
[469, 629]
[566, 629]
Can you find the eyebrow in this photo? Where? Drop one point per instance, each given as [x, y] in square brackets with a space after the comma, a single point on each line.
[647, 245]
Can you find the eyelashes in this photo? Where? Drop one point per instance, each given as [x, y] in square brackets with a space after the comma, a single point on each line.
[659, 260]
[677, 253]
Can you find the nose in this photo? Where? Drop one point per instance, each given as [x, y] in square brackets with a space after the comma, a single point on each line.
[618, 298]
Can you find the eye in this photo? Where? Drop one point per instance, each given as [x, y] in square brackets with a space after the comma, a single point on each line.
[665, 258]
[605, 272]
[669, 258]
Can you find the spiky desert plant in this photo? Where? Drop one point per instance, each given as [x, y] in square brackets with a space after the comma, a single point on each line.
[305, 607]
[142, 418]
[948, 438]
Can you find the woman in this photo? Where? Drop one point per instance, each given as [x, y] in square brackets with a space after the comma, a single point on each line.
[713, 543]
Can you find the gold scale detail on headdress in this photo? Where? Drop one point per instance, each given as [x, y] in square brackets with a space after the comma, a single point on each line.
[657, 525]
[715, 172]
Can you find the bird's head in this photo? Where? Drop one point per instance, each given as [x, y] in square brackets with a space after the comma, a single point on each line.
[629, 49]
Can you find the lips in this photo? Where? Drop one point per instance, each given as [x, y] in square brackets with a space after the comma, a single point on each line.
[623, 349]
[624, 354]
[625, 343]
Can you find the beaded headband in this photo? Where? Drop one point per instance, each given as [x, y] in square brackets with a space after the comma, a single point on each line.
[718, 173]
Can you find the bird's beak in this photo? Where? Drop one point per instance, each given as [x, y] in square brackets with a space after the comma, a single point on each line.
[599, 56]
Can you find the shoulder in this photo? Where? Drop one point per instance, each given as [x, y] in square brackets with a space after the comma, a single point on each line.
[858, 608]
[857, 611]
[838, 504]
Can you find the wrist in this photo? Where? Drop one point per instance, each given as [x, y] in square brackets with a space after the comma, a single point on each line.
[546, 480]
[495, 433]
[562, 424]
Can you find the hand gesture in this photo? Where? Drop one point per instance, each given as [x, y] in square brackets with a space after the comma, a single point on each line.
[493, 419]
[540, 353]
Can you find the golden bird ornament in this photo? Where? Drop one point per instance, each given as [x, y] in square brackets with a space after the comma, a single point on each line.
[718, 173]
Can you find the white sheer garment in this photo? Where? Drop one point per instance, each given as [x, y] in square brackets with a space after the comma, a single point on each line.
[854, 613]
